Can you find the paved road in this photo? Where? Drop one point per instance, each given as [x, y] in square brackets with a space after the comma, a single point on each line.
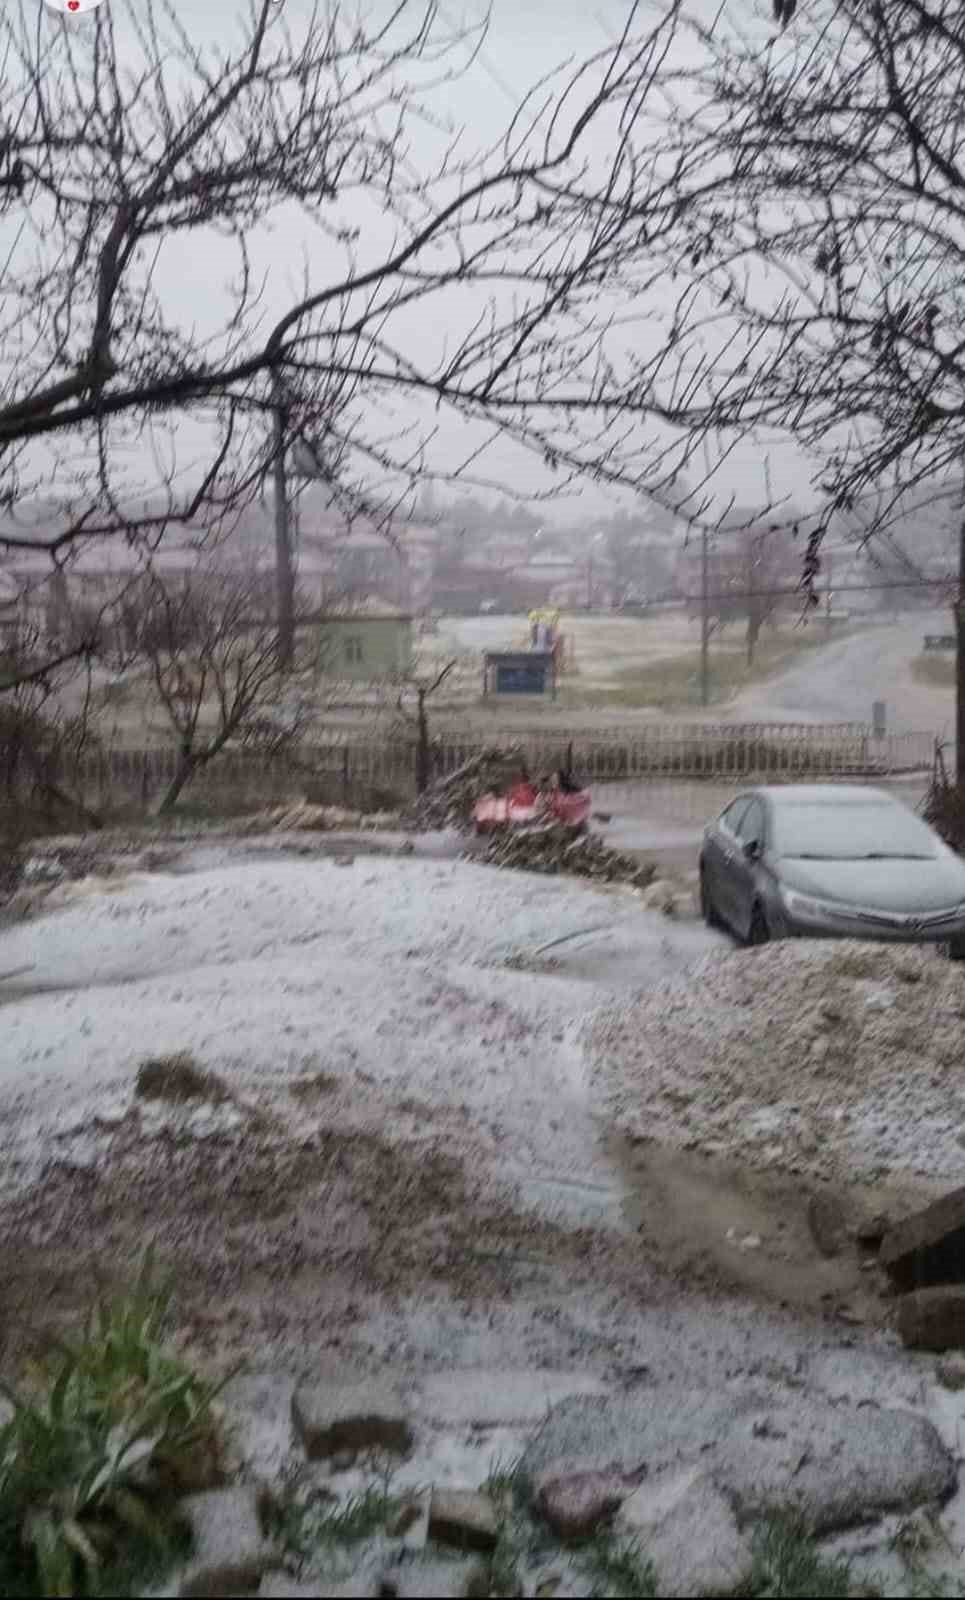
[841, 682]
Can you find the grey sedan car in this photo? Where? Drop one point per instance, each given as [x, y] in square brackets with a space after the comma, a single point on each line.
[830, 861]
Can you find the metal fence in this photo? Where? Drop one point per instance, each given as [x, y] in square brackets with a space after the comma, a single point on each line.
[354, 770]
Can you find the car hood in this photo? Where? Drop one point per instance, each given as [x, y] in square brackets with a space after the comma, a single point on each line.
[878, 885]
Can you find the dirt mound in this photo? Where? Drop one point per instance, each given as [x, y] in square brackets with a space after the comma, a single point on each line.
[838, 1061]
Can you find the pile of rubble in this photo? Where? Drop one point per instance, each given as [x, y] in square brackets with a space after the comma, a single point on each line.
[449, 802]
[302, 817]
[552, 848]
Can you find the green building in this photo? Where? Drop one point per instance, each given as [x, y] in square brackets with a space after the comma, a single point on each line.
[360, 646]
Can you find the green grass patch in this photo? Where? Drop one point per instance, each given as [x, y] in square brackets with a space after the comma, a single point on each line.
[107, 1431]
[617, 1567]
[313, 1526]
[936, 670]
[788, 1566]
[503, 1483]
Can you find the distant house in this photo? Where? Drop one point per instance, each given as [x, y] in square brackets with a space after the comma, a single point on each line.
[361, 645]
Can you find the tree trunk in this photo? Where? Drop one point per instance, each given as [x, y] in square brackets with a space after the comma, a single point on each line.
[187, 767]
[960, 663]
[753, 632]
[284, 570]
[422, 755]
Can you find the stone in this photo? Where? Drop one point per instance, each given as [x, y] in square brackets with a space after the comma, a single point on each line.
[871, 1231]
[689, 1532]
[278, 1586]
[828, 1225]
[231, 1553]
[411, 1523]
[933, 1319]
[258, 1406]
[464, 1518]
[950, 1372]
[768, 1448]
[434, 1579]
[659, 895]
[335, 1416]
[483, 1397]
[928, 1247]
[577, 1503]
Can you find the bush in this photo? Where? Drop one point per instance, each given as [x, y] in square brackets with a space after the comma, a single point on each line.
[944, 809]
[110, 1432]
[12, 861]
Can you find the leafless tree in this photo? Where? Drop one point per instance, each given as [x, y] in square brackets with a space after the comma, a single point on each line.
[822, 267]
[125, 145]
[209, 645]
[41, 743]
[419, 687]
[751, 575]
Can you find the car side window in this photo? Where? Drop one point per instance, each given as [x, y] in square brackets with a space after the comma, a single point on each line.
[751, 824]
[731, 818]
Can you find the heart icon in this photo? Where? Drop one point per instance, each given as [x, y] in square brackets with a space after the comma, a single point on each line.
[73, 5]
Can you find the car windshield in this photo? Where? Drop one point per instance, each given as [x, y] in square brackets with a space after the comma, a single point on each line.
[875, 831]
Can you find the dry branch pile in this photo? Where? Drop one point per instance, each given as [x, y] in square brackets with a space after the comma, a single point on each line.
[552, 848]
[301, 816]
[449, 802]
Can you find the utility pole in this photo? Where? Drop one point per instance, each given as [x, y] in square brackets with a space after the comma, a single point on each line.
[704, 621]
[827, 606]
[284, 567]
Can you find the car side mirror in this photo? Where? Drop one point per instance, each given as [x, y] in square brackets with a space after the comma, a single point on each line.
[752, 849]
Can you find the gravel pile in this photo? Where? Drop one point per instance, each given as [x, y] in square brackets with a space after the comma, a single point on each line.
[554, 849]
[838, 1061]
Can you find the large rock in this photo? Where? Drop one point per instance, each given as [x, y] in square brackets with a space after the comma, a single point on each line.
[333, 1417]
[279, 1586]
[575, 1504]
[688, 1531]
[258, 1406]
[766, 1447]
[928, 1247]
[231, 1553]
[933, 1319]
[500, 1396]
[463, 1518]
[435, 1579]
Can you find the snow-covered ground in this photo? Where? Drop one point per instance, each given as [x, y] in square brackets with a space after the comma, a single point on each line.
[390, 976]
[406, 1172]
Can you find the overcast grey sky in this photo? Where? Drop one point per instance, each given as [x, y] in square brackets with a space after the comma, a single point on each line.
[527, 39]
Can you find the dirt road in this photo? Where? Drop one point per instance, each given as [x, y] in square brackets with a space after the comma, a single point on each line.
[842, 682]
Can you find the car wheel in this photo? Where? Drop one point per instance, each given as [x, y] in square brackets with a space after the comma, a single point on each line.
[759, 932]
[707, 909]
[956, 948]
